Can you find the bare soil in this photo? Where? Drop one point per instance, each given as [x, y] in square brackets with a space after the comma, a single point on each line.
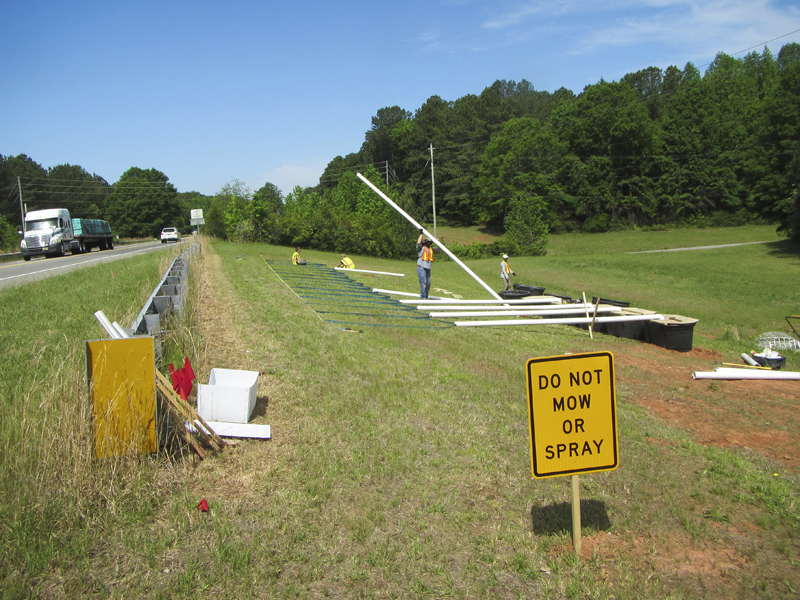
[761, 415]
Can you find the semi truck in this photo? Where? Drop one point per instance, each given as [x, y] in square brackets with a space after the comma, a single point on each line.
[53, 233]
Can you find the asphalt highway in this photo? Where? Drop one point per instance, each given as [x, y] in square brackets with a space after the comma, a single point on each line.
[21, 272]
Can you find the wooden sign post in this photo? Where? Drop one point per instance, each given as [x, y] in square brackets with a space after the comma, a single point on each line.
[572, 412]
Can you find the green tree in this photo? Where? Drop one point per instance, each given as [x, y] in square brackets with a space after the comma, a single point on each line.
[9, 239]
[378, 143]
[262, 213]
[339, 166]
[235, 196]
[271, 197]
[33, 179]
[298, 222]
[527, 158]
[82, 193]
[142, 203]
[525, 225]
[778, 166]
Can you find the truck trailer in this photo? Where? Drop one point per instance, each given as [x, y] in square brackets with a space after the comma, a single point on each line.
[53, 233]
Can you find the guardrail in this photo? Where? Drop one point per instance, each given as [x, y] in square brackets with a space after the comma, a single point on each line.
[166, 301]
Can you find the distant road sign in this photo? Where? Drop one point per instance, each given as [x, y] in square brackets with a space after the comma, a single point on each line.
[572, 410]
[197, 213]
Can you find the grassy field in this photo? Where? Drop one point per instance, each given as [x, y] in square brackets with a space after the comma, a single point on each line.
[399, 465]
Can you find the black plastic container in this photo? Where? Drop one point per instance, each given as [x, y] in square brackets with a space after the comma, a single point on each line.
[513, 294]
[633, 330]
[610, 302]
[673, 333]
[534, 291]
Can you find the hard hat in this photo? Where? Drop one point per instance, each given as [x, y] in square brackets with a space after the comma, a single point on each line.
[426, 242]
[505, 255]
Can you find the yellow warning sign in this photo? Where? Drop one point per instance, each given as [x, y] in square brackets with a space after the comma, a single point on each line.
[572, 410]
[122, 388]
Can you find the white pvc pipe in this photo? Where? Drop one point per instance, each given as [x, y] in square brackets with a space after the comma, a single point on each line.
[513, 313]
[393, 293]
[106, 324]
[749, 360]
[365, 271]
[526, 300]
[432, 237]
[566, 308]
[744, 368]
[122, 333]
[747, 374]
[565, 321]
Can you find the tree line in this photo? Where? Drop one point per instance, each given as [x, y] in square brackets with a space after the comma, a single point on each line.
[139, 205]
[658, 148]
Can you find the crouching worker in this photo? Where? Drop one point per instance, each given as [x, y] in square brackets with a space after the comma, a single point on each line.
[346, 263]
[296, 260]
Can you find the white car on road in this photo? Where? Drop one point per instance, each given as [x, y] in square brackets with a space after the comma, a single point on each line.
[170, 234]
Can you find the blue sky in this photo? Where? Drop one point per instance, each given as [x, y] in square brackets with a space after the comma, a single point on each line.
[262, 91]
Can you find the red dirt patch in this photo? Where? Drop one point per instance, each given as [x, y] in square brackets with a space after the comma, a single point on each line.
[676, 555]
[761, 415]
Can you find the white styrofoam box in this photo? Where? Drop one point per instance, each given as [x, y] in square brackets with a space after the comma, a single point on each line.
[230, 396]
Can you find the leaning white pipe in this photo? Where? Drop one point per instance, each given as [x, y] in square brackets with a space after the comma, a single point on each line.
[565, 321]
[430, 235]
[512, 313]
[118, 328]
[393, 293]
[526, 300]
[365, 271]
[747, 374]
[106, 324]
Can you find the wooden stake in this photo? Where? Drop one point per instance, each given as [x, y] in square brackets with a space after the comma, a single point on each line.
[594, 316]
[193, 416]
[576, 515]
[166, 393]
[186, 434]
[586, 310]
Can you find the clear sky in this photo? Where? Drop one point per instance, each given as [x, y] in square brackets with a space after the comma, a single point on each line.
[268, 91]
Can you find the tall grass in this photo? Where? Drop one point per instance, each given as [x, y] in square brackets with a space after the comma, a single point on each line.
[50, 487]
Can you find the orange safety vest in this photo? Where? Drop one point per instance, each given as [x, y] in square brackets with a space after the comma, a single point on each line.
[427, 254]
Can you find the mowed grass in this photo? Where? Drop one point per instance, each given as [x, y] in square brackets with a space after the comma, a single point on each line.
[399, 464]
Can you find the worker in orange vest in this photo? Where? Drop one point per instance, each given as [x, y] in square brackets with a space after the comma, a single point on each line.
[424, 261]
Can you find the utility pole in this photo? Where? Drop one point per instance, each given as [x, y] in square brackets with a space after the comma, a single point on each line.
[433, 193]
[21, 210]
[387, 172]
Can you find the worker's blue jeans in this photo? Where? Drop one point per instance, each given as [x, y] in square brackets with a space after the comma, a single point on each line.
[424, 276]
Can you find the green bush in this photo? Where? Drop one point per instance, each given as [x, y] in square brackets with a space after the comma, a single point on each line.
[9, 238]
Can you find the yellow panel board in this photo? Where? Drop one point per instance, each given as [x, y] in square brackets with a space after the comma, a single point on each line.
[122, 389]
[572, 411]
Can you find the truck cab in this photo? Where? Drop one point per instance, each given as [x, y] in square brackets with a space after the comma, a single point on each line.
[47, 232]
